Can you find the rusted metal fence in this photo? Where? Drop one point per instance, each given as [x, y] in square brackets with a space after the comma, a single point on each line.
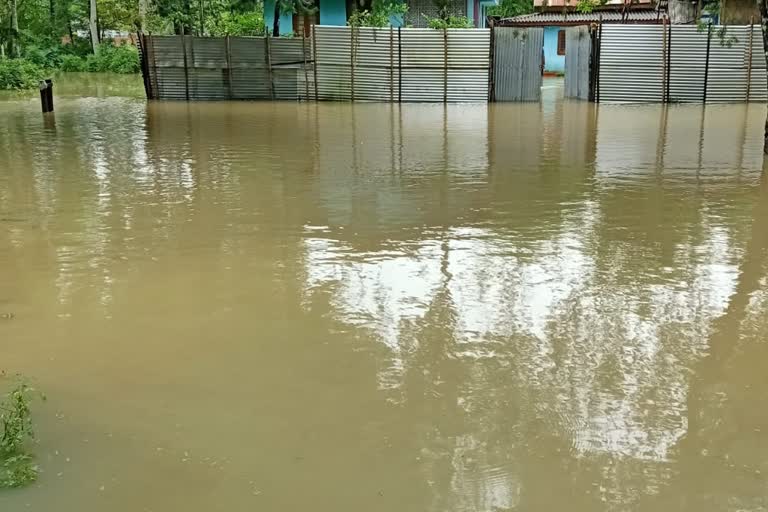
[220, 68]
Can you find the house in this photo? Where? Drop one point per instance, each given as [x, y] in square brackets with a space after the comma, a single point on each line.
[336, 12]
[557, 15]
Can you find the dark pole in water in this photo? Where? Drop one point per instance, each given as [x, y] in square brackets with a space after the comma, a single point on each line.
[46, 95]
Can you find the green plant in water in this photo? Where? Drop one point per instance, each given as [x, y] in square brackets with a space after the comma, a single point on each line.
[16, 465]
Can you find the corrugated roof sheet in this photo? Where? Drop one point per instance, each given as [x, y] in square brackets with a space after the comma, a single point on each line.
[554, 18]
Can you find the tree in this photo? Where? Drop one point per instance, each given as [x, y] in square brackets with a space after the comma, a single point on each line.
[93, 23]
[511, 8]
[14, 50]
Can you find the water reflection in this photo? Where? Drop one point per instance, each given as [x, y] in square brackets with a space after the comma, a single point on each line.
[552, 306]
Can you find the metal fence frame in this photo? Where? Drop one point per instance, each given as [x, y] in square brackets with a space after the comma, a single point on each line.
[517, 63]
[401, 64]
[680, 63]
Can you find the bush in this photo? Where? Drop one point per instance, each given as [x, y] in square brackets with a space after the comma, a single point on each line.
[113, 59]
[45, 57]
[449, 22]
[380, 15]
[19, 74]
[72, 63]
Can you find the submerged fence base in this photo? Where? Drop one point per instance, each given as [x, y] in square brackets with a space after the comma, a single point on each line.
[681, 64]
[604, 63]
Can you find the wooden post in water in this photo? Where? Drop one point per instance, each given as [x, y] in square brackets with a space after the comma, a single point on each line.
[186, 65]
[228, 48]
[352, 60]
[46, 95]
[491, 64]
[314, 58]
[391, 65]
[706, 63]
[663, 58]
[749, 56]
[268, 58]
[399, 66]
[304, 56]
[669, 61]
[445, 65]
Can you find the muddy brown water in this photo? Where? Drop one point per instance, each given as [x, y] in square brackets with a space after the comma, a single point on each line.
[345, 308]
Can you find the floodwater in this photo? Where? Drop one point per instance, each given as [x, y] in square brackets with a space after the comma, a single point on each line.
[346, 308]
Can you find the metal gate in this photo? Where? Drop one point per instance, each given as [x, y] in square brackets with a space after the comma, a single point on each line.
[517, 63]
[578, 50]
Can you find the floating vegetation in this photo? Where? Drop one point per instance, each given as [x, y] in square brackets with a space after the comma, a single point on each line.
[17, 467]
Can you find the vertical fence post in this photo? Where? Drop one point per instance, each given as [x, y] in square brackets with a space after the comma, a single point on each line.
[599, 57]
[445, 65]
[399, 66]
[228, 48]
[492, 64]
[306, 73]
[749, 57]
[142, 44]
[314, 58]
[186, 65]
[352, 60]
[663, 59]
[669, 61]
[706, 63]
[391, 65]
[268, 58]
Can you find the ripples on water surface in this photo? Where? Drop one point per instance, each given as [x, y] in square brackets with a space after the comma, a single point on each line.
[336, 307]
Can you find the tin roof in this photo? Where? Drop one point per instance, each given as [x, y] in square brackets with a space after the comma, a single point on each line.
[575, 18]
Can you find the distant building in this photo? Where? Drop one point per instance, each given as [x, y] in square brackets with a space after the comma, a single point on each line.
[556, 15]
[336, 12]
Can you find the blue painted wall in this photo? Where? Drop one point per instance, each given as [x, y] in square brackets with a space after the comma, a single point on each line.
[553, 62]
[286, 19]
[333, 12]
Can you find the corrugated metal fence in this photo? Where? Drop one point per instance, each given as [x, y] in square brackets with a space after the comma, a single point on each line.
[578, 44]
[681, 63]
[218, 68]
[409, 65]
[517, 56]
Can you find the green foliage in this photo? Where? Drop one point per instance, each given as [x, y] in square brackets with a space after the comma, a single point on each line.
[380, 15]
[587, 6]
[73, 63]
[44, 57]
[16, 465]
[112, 59]
[449, 22]
[19, 74]
[511, 8]
[236, 24]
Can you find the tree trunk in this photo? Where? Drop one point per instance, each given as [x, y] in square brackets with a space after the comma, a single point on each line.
[52, 14]
[682, 11]
[94, 28]
[14, 50]
[276, 22]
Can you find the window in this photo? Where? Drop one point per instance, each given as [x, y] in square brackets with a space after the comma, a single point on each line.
[561, 42]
